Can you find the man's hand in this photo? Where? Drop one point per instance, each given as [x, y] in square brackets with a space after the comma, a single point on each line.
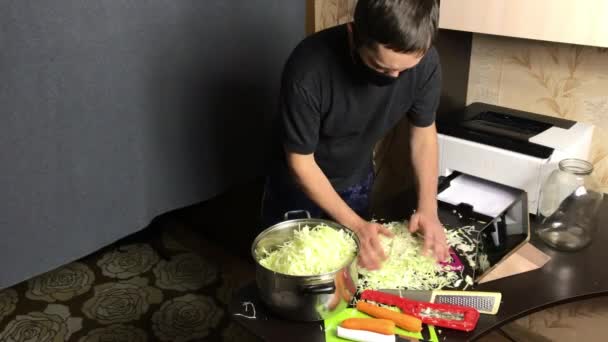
[424, 159]
[434, 236]
[371, 253]
[317, 187]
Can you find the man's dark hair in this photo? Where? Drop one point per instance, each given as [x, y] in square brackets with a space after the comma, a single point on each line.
[406, 26]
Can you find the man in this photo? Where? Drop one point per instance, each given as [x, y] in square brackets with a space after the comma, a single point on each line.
[342, 89]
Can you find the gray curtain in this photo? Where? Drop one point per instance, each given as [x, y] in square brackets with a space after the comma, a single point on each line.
[115, 111]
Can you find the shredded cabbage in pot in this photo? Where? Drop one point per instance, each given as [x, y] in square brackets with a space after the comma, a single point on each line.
[312, 251]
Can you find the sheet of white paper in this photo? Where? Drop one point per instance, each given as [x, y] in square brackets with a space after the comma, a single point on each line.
[553, 137]
[486, 197]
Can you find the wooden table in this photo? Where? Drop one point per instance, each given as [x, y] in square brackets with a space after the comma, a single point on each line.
[567, 277]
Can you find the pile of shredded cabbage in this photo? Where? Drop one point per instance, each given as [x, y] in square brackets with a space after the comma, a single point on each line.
[312, 251]
[406, 267]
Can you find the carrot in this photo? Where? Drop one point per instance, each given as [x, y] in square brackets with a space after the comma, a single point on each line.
[381, 326]
[334, 300]
[346, 294]
[337, 296]
[403, 321]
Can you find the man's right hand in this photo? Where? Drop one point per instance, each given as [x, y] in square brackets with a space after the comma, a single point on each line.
[371, 253]
[317, 187]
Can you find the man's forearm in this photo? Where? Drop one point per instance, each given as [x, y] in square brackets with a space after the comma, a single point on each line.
[425, 153]
[317, 187]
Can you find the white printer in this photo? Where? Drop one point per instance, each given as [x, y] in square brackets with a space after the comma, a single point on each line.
[510, 147]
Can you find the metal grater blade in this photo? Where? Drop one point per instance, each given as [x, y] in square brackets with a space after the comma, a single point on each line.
[481, 303]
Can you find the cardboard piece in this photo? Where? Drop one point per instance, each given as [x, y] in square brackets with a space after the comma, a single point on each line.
[523, 259]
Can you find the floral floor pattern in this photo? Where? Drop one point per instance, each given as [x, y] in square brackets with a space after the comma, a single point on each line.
[149, 287]
[168, 283]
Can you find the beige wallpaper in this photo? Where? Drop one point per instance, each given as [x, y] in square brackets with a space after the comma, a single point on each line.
[561, 80]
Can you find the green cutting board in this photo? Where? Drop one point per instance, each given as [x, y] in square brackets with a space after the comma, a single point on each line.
[427, 333]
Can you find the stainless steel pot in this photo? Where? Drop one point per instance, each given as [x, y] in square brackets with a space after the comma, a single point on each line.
[303, 298]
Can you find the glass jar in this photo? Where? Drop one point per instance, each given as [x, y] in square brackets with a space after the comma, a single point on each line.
[568, 203]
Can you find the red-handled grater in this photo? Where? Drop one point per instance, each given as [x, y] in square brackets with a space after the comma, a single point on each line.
[485, 302]
[441, 315]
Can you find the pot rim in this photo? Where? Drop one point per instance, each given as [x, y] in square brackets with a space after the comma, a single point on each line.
[317, 221]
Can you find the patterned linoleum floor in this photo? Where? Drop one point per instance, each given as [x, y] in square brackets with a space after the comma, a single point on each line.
[158, 285]
[168, 283]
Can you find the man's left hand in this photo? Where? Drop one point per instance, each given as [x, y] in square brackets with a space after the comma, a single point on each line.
[434, 236]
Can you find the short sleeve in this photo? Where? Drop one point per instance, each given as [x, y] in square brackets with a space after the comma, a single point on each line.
[422, 112]
[300, 118]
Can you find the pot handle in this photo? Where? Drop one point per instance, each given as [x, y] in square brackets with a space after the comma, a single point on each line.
[287, 214]
[327, 288]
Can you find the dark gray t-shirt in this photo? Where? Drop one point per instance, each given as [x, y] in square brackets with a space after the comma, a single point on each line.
[328, 107]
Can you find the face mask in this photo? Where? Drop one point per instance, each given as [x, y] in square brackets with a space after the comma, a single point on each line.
[371, 75]
[367, 73]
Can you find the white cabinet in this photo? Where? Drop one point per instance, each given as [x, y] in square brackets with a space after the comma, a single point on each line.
[583, 22]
